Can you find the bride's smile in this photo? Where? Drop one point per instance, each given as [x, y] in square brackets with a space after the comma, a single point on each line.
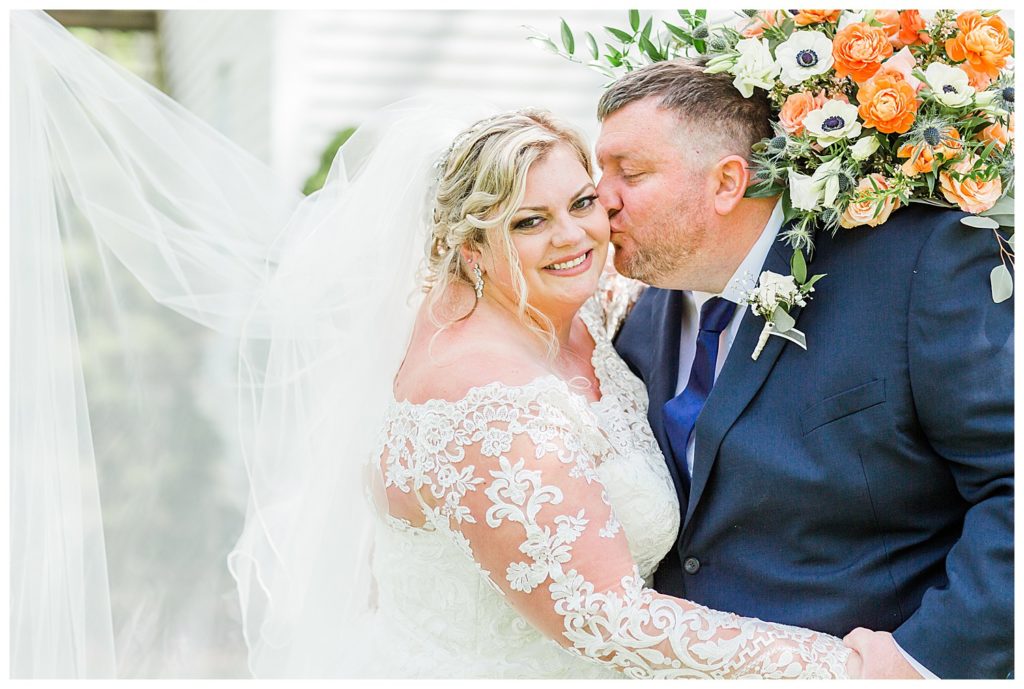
[560, 235]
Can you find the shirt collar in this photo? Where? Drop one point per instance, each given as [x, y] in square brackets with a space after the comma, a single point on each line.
[745, 277]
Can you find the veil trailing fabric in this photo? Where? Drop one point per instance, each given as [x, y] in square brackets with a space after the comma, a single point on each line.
[317, 296]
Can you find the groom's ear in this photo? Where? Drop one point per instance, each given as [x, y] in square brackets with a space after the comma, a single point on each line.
[730, 177]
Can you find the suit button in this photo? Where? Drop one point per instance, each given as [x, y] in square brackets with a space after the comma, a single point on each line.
[691, 565]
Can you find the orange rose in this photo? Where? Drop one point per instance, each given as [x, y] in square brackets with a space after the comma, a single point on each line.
[795, 109]
[983, 43]
[890, 22]
[755, 26]
[861, 210]
[858, 51]
[912, 29]
[887, 103]
[973, 196]
[998, 133]
[808, 17]
[922, 159]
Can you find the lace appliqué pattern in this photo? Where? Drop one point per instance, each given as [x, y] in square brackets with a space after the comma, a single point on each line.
[515, 478]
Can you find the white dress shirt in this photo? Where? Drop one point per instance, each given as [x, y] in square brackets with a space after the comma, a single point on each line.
[742, 281]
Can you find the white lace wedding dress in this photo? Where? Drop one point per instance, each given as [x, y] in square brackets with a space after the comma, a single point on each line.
[543, 515]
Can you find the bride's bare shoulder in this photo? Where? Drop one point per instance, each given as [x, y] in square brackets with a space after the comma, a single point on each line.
[456, 362]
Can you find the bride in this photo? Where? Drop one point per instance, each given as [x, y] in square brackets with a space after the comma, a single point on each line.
[460, 484]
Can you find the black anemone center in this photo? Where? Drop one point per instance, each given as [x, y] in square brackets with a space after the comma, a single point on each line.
[932, 136]
[807, 58]
[833, 123]
[949, 88]
[1008, 94]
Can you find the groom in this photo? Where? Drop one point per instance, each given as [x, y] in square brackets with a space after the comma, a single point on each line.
[863, 484]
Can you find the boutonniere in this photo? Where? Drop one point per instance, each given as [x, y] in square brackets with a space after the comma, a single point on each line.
[773, 298]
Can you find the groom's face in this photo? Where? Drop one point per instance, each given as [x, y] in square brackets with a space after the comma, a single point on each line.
[654, 188]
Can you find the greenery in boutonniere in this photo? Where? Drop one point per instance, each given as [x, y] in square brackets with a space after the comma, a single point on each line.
[774, 298]
[873, 109]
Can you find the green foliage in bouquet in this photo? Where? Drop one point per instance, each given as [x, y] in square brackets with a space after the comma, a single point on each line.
[873, 109]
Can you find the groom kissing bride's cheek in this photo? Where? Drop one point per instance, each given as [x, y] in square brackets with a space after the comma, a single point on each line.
[863, 486]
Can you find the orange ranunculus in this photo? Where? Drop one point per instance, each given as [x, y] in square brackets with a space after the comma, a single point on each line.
[755, 26]
[890, 20]
[951, 146]
[808, 17]
[973, 196]
[921, 159]
[858, 51]
[912, 29]
[887, 103]
[861, 210]
[795, 109]
[998, 133]
[983, 43]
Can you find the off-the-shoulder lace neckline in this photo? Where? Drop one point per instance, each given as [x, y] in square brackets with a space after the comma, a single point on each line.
[543, 381]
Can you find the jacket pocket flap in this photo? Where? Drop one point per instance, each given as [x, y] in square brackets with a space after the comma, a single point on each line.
[843, 404]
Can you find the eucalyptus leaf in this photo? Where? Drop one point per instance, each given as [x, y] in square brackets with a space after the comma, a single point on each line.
[798, 266]
[815, 278]
[567, 38]
[545, 42]
[782, 320]
[634, 19]
[980, 222]
[619, 34]
[592, 44]
[1004, 206]
[1002, 283]
[646, 33]
[648, 47]
[678, 32]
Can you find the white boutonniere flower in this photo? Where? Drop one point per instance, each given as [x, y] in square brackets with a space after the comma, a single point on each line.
[773, 298]
[805, 54]
[832, 122]
[755, 67]
[950, 85]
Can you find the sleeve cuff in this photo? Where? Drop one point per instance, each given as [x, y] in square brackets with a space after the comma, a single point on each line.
[922, 670]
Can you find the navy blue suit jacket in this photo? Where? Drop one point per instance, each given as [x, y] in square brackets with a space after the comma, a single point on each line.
[867, 481]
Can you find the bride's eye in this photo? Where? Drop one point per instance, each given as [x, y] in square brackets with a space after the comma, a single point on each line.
[584, 202]
[529, 223]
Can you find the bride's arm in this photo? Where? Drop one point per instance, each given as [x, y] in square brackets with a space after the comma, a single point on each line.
[532, 512]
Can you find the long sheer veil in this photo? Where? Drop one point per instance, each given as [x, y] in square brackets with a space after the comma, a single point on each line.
[318, 294]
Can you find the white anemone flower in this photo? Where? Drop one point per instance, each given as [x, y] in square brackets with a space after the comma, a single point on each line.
[755, 67]
[805, 54]
[949, 85]
[832, 122]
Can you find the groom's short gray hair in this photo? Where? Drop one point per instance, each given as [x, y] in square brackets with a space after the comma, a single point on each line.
[707, 102]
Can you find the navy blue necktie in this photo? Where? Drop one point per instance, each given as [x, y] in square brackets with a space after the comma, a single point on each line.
[681, 412]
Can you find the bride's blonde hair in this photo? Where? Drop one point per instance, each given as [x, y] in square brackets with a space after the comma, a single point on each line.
[481, 184]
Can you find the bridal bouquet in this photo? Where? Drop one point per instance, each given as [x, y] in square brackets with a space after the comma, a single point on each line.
[873, 109]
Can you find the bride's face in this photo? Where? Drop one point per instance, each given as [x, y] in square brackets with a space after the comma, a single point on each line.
[561, 233]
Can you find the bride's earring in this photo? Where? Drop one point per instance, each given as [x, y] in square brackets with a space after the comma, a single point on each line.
[478, 281]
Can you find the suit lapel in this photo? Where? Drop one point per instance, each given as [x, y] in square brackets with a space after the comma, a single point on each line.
[739, 381]
[668, 315]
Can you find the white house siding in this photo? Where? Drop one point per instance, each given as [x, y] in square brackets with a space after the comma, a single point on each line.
[281, 83]
[219, 66]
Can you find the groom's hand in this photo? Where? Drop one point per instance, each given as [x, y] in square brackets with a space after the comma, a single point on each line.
[880, 658]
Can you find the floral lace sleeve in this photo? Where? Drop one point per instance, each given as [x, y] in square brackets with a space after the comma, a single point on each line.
[517, 488]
